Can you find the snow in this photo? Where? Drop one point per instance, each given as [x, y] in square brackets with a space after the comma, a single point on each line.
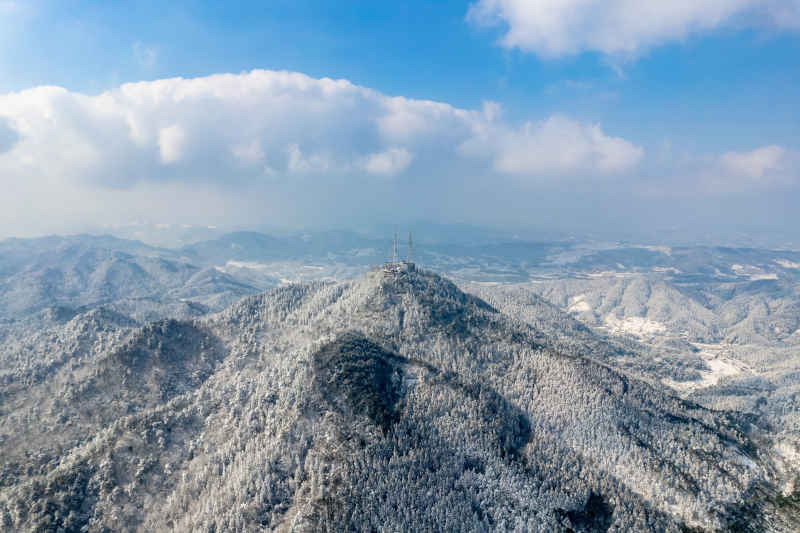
[720, 368]
[752, 272]
[579, 304]
[788, 452]
[633, 325]
[666, 269]
[789, 457]
[719, 364]
[247, 264]
[610, 274]
[580, 307]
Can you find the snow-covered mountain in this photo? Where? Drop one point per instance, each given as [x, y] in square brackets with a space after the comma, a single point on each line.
[84, 272]
[393, 402]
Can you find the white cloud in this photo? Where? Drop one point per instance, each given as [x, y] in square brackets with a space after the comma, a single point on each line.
[754, 164]
[554, 28]
[170, 143]
[302, 164]
[8, 136]
[386, 163]
[248, 152]
[556, 146]
[283, 148]
[126, 153]
[224, 128]
[765, 170]
[404, 119]
[765, 167]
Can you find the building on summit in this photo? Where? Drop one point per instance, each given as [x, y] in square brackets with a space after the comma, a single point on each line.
[396, 265]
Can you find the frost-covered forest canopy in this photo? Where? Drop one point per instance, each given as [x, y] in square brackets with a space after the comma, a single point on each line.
[258, 383]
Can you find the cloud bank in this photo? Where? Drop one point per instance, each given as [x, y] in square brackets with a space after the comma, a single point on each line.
[555, 28]
[768, 166]
[278, 125]
[556, 146]
[287, 149]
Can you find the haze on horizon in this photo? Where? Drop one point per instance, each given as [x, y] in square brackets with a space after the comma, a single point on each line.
[557, 115]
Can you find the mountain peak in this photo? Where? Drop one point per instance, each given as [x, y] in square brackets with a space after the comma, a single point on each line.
[329, 406]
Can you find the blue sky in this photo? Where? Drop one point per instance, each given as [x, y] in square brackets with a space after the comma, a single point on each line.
[703, 99]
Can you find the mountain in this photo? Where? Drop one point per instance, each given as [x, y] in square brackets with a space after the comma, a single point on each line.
[686, 264]
[149, 282]
[762, 311]
[726, 345]
[86, 271]
[393, 402]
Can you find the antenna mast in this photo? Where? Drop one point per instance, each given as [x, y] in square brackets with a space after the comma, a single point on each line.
[410, 248]
[394, 253]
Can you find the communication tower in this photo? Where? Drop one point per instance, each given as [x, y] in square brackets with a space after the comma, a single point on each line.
[397, 266]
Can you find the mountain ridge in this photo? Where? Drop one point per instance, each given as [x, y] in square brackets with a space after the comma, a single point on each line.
[287, 409]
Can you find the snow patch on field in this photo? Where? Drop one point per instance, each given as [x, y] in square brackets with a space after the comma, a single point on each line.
[666, 269]
[578, 304]
[260, 266]
[719, 366]
[610, 274]
[752, 272]
[634, 325]
[246, 264]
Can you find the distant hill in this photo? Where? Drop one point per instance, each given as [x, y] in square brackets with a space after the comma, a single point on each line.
[87, 271]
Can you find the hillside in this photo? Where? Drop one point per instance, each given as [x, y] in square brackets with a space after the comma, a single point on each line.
[393, 402]
[83, 272]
